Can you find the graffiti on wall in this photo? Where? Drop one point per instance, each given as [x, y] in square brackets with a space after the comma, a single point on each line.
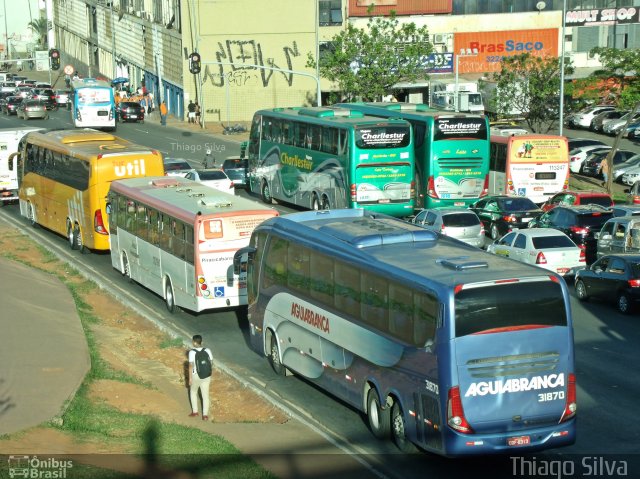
[243, 56]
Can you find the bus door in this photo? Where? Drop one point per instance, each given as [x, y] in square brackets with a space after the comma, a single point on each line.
[512, 370]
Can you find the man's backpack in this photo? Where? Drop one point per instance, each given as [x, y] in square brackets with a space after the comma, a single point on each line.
[203, 363]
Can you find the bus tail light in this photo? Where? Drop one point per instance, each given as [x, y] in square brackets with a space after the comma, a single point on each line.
[540, 259]
[570, 406]
[583, 256]
[98, 224]
[204, 288]
[485, 187]
[634, 283]
[431, 188]
[455, 412]
[354, 195]
[412, 192]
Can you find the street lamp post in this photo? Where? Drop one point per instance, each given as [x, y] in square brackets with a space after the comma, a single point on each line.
[318, 91]
[564, 22]
[463, 53]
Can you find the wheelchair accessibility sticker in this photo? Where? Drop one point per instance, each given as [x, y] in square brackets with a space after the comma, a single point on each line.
[218, 291]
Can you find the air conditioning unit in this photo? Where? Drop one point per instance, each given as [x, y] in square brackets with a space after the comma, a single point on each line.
[440, 38]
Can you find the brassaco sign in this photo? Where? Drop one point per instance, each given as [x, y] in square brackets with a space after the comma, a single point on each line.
[602, 16]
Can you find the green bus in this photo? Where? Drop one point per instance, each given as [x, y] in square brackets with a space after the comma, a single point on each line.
[451, 151]
[329, 158]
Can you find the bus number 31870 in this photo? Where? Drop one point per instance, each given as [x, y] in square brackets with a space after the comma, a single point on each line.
[551, 396]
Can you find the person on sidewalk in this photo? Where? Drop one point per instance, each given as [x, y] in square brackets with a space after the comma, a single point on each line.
[200, 359]
[198, 114]
[163, 113]
[191, 108]
[604, 169]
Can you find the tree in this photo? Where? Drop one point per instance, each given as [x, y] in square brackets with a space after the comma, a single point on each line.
[622, 66]
[366, 63]
[40, 28]
[531, 84]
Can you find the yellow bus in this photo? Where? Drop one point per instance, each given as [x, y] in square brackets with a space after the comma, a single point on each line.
[65, 175]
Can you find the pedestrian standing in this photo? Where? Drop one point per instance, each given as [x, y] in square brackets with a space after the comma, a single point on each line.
[200, 369]
[209, 159]
[191, 108]
[604, 170]
[143, 104]
[163, 113]
[198, 114]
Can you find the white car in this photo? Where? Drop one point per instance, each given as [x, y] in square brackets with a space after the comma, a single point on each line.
[578, 155]
[545, 247]
[631, 175]
[176, 167]
[214, 178]
[583, 118]
[629, 166]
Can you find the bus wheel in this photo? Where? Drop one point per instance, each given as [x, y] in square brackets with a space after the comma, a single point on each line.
[379, 420]
[315, 203]
[71, 230]
[325, 202]
[274, 357]
[31, 214]
[169, 299]
[495, 234]
[266, 193]
[398, 430]
[581, 291]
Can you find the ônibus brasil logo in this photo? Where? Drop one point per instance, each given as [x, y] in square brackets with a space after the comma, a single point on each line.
[36, 468]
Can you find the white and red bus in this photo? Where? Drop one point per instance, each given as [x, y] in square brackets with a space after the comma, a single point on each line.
[178, 237]
[535, 166]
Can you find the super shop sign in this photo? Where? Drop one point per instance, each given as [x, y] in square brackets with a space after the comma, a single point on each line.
[492, 47]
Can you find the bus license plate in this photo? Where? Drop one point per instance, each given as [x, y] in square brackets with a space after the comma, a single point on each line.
[518, 441]
[384, 200]
[563, 270]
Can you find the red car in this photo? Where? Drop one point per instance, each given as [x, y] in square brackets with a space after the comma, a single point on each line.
[576, 198]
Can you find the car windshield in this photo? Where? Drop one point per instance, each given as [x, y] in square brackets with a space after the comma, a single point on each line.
[516, 204]
[129, 104]
[212, 175]
[597, 200]
[460, 220]
[177, 165]
[548, 242]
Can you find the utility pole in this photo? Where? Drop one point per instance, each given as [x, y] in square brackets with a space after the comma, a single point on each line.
[614, 149]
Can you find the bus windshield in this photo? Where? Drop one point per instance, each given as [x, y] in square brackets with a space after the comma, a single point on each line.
[490, 308]
[94, 96]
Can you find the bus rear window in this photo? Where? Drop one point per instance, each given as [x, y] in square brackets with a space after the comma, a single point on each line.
[382, 137]
[456, 128]
[510, 305]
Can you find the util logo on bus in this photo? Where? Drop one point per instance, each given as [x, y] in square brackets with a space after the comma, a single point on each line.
[130, 168]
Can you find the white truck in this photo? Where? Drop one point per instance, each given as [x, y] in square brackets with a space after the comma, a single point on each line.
[9, 146]
[490, 93]
[442, 95]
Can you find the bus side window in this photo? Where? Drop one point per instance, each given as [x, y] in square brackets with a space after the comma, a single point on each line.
[322, 280]
[178, 239]
[266, 129]
[425, 316]
[188, 244]
[347, 289]
[401, 312]
[275, 267]
[112, 200]
[166, 234]
[286, 133]
[330, 140]
[131, 216]
[154, 227]
[253, 268]
[374, 301]
[142, 222]
[315, 134]
[298, 268]
[300, 135]
[343, 142]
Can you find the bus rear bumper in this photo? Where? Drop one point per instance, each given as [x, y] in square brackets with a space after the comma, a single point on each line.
[559, 435]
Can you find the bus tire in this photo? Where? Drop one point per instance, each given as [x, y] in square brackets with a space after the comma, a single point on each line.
[169, 297]
[325, 205]
[399, 431]
[581, 291]
[274, 356]
[31, 214]
[379, 418]
[266, 193]
[315, 203]
[71, 235]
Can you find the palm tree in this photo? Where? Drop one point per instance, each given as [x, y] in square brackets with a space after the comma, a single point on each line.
[40, 28]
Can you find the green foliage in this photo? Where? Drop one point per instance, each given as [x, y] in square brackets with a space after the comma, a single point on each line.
[366, 63]
[531, 85]
[623, 66]
[40, 28]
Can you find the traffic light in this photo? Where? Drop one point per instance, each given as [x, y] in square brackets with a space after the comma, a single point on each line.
[54, 56]
[194, 63]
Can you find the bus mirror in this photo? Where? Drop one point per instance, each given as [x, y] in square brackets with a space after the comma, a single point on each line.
[243, 256]
[108, 208]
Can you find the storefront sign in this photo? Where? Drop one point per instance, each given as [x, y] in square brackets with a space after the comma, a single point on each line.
[603, 16]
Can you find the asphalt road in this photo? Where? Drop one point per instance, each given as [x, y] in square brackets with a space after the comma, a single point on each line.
[606, 350]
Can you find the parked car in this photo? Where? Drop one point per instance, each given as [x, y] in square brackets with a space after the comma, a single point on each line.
[176, 167]
[458, 223]
[29, 109]
[591, 165]
[582, 142]
[626, 210]
[62, 96]
[11, 104]
[48, 97]
[570, 198]
[600, 118]
[633, 193]
[214, 178]
[614, 277]
[9, 86]
[620, 234]
[578, 155]
[582, 119]
[580, 223]
[236, 169]
[130, 111]
[628, 167]
[612, 127]
[545, 247]
[501, 214]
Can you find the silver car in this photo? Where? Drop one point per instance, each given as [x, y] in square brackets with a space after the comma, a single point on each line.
[458, 223]
[32, 109]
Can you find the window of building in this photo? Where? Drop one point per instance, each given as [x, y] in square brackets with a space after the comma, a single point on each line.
[330, 12]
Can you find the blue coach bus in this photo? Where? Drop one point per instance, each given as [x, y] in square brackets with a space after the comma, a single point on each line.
[416, 330]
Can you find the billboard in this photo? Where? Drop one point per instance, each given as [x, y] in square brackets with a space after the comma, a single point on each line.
[492, 47]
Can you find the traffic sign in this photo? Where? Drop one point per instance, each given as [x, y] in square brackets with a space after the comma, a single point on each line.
[68, 70]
